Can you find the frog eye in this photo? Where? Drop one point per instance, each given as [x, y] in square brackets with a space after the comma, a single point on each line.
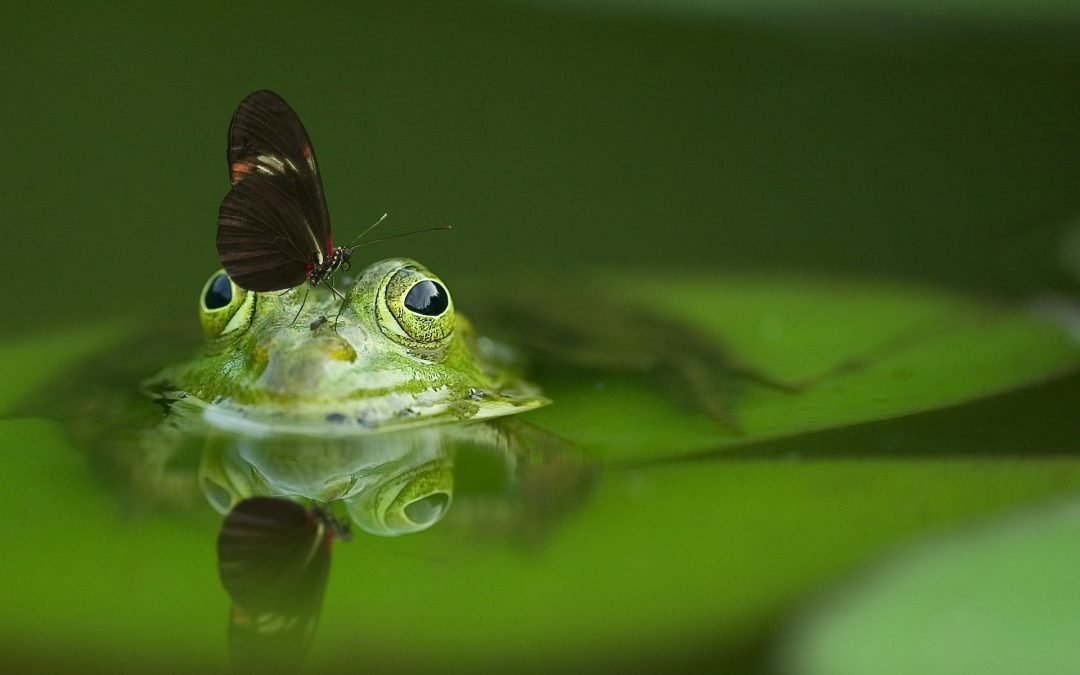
[427, 298]
[223, 306]
[416, 311]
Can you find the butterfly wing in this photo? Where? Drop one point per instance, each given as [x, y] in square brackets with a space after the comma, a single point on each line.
[263, 238]
[273, 225]
[274, 561]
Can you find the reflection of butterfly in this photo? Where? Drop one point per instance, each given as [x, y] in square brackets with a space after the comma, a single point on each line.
[274, 560]
[273, 226]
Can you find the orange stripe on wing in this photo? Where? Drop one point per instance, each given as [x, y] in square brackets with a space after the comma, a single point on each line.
[237, 171]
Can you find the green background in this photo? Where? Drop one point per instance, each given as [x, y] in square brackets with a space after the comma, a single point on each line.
[849, 169]
[929, 140]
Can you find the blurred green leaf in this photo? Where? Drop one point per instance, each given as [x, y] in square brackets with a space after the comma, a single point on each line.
[1001, 597]
[870, 351]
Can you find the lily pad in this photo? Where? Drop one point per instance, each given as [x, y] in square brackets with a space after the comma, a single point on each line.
[861, 351]
[997, 598]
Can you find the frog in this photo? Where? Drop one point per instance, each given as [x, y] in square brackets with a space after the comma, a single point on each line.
[397, 355]
[366, 411]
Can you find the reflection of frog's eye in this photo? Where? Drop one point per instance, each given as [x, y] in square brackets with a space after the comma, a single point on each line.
[416, 311]
[223, 306]
[410, 501]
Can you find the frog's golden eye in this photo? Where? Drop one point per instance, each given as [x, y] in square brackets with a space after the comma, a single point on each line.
[223, 306]
[416, 311]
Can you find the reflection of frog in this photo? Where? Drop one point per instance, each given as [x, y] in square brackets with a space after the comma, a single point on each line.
[371, 409]
[403, 481]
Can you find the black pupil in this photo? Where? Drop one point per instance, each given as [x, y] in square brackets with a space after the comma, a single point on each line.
[426, 297]
[219, 294]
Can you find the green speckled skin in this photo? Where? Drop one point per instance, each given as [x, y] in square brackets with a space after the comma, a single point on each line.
[277, 361]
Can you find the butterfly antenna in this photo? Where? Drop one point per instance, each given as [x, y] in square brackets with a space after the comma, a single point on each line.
[371, 227]
[405, 234]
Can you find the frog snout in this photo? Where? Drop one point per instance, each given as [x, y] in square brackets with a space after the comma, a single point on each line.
[299, 369]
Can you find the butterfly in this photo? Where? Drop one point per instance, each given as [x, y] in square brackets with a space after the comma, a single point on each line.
[273, 226]
[274, 561]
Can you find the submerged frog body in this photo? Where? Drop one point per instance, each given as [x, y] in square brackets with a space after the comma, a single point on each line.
[396, 355]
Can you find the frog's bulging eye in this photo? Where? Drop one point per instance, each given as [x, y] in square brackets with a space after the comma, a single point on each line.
[218, 292]
[427, 297]
[223, 306]
[415, 310]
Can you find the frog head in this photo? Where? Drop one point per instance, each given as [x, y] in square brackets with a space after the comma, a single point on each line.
[393, 352]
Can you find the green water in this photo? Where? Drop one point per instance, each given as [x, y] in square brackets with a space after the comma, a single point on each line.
[739, 153]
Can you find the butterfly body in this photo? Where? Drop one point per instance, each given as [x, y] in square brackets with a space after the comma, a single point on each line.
[340, 258]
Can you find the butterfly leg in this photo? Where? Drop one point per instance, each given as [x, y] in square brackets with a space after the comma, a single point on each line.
[302, 303]
[341, 307]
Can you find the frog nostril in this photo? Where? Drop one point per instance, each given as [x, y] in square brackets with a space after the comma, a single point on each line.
[337, 348]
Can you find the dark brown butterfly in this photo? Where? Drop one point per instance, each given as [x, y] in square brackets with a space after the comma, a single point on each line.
[274, 561]
[273, 227]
